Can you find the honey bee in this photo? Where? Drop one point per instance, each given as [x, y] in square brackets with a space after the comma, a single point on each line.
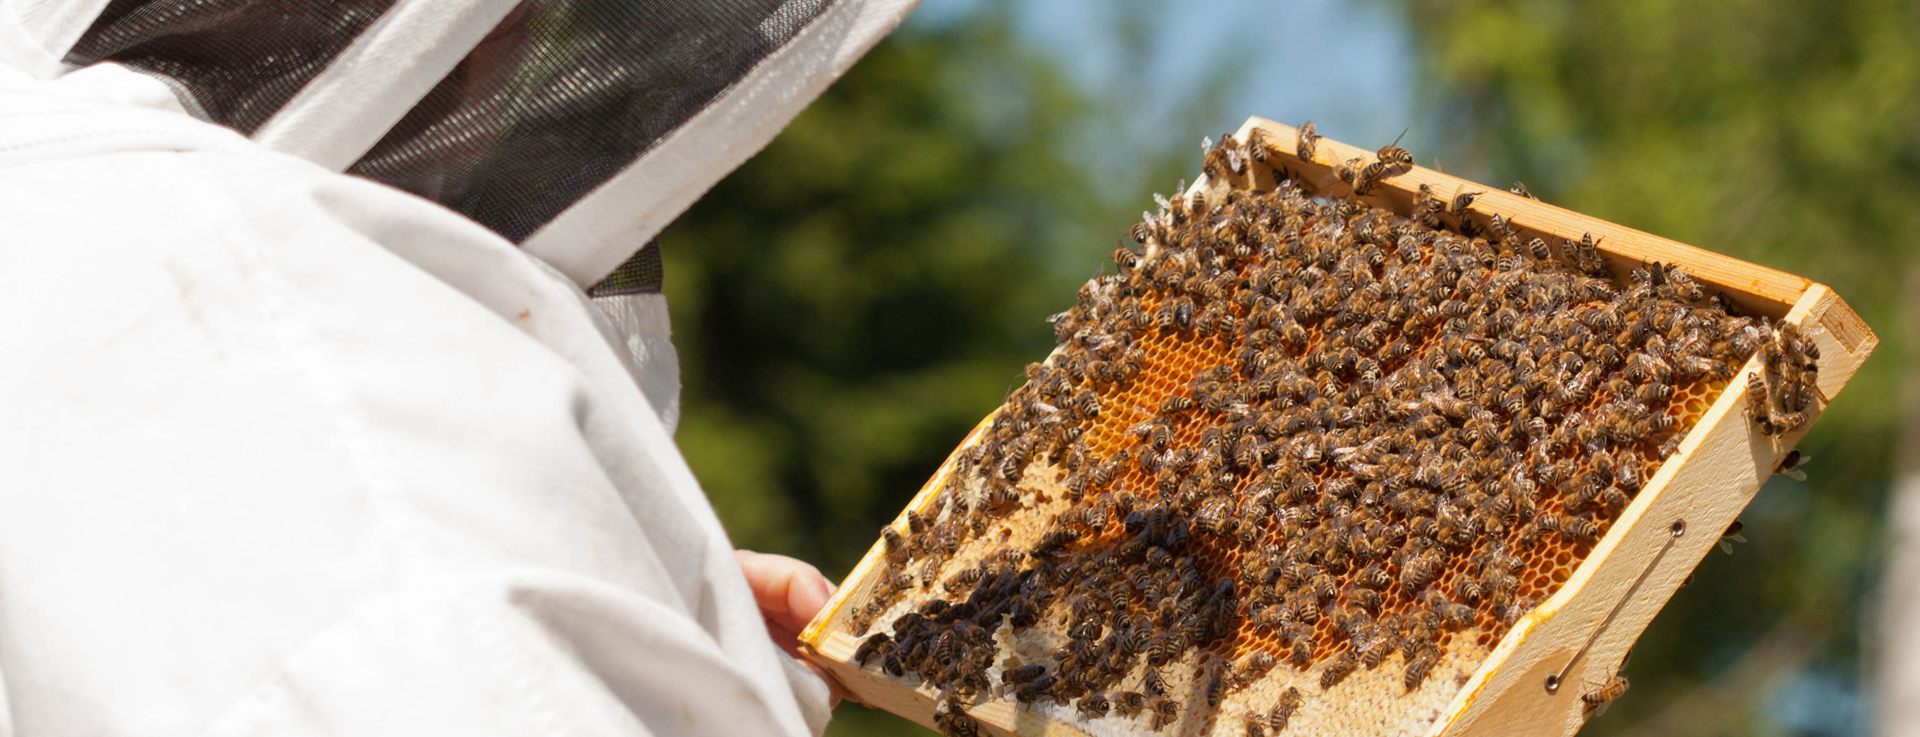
[1731, 536]
[1368, 177]
[1757, 401]
[1103, 472]
[1454, 615]
[1596, 700]
[1254, 667]
[1419, 570]
[1417, 669]
[1395, 158]
[1159, 437]
[964, 579]
[1792, 466]
[1427, 208]
[1586, 256]
[1036, 690]
[1457, 208]
[1502, 230]
[1163, 650]
[1234, 154]
[1165, 711]
[896, 546]
[1468, 589]
[1356, 175]
[1337, 670]
[1022, 675]
[878, 643]
[1140, 232]
[1283, 709]
[1520, 188]
[1257, 144]
[1785, 422]
[862, 619]
[1305, 143]
[1367, 599]
[1129, 703]
[952, 719]
[1300, 654]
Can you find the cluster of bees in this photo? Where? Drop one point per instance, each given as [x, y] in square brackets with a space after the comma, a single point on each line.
[1779, 395]
[1301, 431]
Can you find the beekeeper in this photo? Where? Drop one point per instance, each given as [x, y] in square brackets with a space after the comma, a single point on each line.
[307, 425]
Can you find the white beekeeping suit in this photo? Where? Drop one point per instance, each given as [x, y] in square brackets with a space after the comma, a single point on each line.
[306, 425]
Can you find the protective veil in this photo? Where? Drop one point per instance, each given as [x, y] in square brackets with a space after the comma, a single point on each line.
[306, 426]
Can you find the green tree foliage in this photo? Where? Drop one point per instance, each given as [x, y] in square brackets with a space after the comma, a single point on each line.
[1778, 131]
[851, 301]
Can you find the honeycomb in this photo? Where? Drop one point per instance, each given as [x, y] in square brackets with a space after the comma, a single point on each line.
[1301, 463]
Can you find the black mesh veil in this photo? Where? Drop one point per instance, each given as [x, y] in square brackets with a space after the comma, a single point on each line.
[642, 273]
[513, 126]
[566, 93]
[561, 96]
[241, 60]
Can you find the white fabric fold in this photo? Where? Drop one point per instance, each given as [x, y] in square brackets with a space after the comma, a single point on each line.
[648, 333]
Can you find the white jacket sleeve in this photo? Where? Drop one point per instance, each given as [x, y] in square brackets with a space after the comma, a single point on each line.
[284, 452]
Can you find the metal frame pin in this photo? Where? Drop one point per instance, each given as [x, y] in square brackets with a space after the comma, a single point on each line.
[1674, 531]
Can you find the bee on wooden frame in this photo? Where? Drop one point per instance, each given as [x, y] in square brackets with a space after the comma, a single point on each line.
[1306, 141]
[1595, 701]
[1396, 159]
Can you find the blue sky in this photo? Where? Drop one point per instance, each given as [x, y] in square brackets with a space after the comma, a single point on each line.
[1347, 65]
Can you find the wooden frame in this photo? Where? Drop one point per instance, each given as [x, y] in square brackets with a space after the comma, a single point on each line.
[1631, 572]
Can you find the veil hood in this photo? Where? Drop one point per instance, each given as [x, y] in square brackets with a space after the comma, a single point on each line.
[576, 129]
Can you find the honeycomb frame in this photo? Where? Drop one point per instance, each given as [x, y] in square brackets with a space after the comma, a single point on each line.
[1586, 627]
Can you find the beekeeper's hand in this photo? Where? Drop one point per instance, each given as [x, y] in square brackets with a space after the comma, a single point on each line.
[789, 592]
